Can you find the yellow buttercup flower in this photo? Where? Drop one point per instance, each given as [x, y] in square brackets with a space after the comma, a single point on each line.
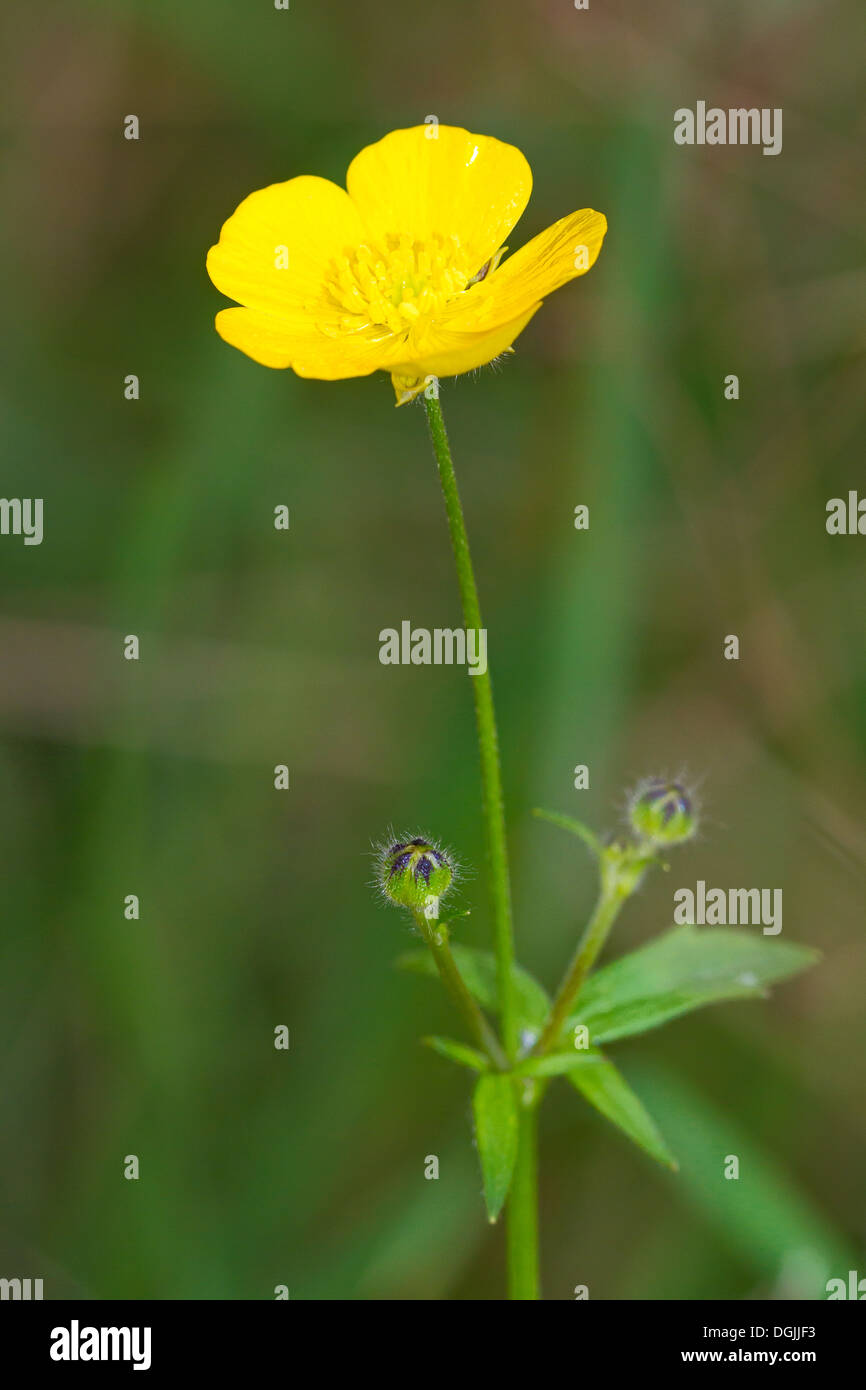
[400, 271]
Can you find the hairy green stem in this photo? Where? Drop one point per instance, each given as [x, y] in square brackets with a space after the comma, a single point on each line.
[522, 1217]
[522, 1228]
[436, 937]
[488, 744]
[618, 881]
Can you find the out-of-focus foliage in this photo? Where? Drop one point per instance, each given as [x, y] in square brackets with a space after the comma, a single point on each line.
[155, 1037]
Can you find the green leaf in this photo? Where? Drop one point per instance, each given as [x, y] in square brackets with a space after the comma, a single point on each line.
[495, 1107]
[458, 1052]
[682, 970]
[478, 969]
[557, 1063]
[607, 1089]
[574, 827]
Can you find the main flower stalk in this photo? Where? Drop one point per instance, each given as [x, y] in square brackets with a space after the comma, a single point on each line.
[522, 1220]
[488, 742]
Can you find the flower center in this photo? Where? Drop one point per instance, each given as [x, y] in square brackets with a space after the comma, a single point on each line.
[395, 283]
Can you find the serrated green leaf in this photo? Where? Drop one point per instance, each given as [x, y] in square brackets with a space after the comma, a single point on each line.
[607, 1089]
[494, 1105]
[685, 969]
[478, 969]
[557, 1063]
[458, 1052]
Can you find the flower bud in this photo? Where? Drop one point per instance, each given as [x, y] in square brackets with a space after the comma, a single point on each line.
[662, 813]
[415, 874]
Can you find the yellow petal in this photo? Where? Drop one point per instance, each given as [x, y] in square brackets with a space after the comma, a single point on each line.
[281, 342]
[449, 351]
[431, 180]
[274, 250]
[567, 249]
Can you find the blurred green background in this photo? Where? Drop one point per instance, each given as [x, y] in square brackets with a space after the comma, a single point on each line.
[260, 647]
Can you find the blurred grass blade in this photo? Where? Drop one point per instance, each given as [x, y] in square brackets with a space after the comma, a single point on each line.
[607, 1089]
[478, 969]
[680, 971]
[762, 1216]
[458, 1052]
[495, 1108]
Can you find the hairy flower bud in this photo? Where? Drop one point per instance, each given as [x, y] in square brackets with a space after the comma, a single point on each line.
[415, 874]
[662, 813]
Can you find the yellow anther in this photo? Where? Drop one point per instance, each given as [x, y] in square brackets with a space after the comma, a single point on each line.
[398, 282]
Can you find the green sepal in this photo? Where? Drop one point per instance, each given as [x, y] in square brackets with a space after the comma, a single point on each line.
[574, 827]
